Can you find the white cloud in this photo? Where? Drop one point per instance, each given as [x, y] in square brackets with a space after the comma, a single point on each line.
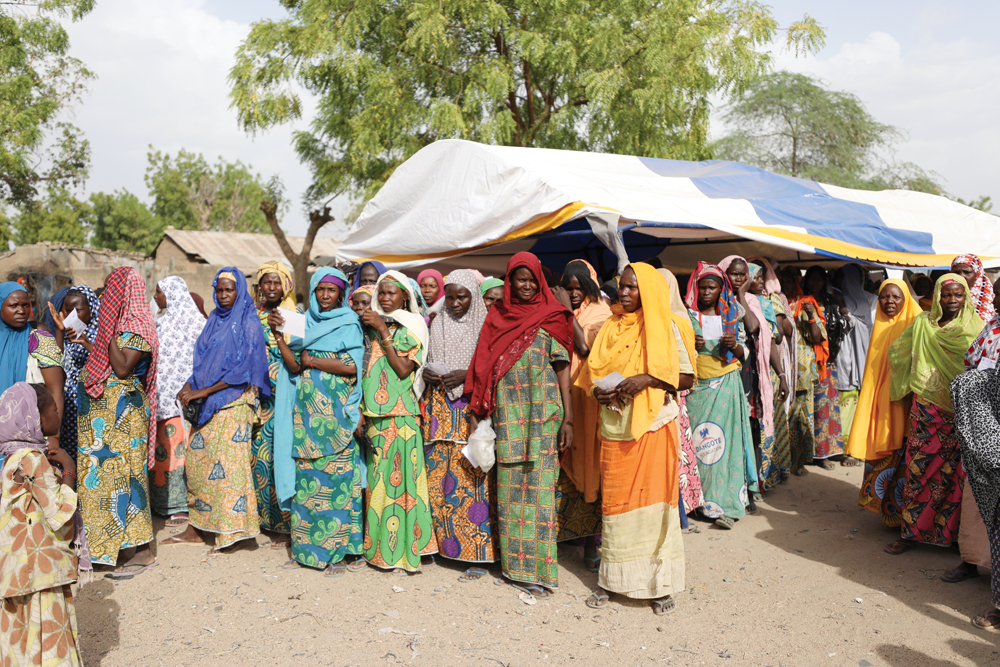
[162, 69]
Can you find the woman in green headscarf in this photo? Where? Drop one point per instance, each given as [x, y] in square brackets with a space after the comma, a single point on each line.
[922, 363]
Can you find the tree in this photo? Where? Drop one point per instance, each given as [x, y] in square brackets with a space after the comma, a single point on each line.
[271, 207]
[791, 124]
[625, 76]
[189, 193]
[982, 203]
[59, 218]
[121, 222]
[39, 81]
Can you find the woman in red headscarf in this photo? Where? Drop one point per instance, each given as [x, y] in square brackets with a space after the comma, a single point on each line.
[520, 376]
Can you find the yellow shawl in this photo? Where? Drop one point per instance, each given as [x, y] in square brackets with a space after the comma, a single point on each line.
[880, 426]
[287, 289]
[637, 343]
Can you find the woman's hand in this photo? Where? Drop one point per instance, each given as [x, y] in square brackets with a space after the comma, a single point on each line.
[80, 339]
[453, 379]
[186, 395]
[562, 296]
[565, 436]
[430, 377]
[57, 318]
[306, 359]
[473, 423]
[605, 396]
[809, 309]
[359, 432]
[633, 385]
[729, 341]
[782, 389]
[699, 342]
[375, 321]
[275, 320]
[61, 458]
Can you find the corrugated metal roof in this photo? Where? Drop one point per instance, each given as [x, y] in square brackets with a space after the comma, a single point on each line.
[244, 251]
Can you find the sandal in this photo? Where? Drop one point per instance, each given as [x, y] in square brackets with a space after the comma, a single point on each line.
[400, 572]
[472, 574]
[824, 464]
[428, 560]
[598, 599]
[959, 574]
[800, 472]
[898, 547]
[280, 544]
[534, 590]
[357, 565]
[592, 564]
[335, 570]
[725, 523]
[176, 520]
[752, 508]
[291, 565]
[664, 606]
[988, 621]
[124, 573]
[849, 462]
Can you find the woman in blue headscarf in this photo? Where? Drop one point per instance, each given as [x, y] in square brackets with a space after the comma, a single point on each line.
[318, 469]
[27, 355]
[230, 374]
[368, 274]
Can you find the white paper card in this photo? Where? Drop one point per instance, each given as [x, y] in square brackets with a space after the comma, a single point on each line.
[986, 364]
[437, 367]
[711, 327]
[610, 381]
[295, 323]
[73, 321]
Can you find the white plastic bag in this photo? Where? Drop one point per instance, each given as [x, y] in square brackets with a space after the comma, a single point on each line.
[481, 448]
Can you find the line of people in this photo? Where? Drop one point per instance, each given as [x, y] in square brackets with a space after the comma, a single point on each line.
[614, 414]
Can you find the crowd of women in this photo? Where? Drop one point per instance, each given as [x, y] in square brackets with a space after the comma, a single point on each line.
[608, 412]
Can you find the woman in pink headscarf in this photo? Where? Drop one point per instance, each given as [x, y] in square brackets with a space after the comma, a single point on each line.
[431, 286]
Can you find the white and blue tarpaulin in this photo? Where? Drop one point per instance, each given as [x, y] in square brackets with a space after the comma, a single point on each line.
[458, 197]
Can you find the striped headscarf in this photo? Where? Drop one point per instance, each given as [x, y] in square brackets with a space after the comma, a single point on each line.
[727, 307]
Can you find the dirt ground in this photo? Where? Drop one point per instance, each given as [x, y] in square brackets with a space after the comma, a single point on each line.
[804, 582]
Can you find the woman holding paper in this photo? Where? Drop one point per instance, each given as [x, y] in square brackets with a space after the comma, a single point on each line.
[398, 524]
[317, 461]
[717, 405]
[275, 289]
[230, 374]
[462, 496]
[652, 349]
[923, 362]
[520, 377]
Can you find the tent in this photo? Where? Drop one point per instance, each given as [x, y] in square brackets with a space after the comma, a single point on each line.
[456, 198]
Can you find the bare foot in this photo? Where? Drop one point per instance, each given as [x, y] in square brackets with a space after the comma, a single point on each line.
[190, 535]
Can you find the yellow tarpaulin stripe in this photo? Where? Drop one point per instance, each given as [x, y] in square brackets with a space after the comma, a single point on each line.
[542, 223]
[872, 255]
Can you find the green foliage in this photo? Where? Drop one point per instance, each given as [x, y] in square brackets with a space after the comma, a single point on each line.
[189, 193]
[790, 124]
[624, 76]
[982, 203]
[121, 222]
[59, 218]
[38, 82]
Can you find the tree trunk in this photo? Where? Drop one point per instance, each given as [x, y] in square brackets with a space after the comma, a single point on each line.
[299, 261]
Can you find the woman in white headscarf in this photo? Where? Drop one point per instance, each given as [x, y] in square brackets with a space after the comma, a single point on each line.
[178, 328]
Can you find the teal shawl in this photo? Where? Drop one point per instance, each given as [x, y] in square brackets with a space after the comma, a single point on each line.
[336, 330]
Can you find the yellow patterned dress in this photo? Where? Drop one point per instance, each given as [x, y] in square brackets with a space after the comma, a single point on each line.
[37, 565]
[221, 494]
[114, 443]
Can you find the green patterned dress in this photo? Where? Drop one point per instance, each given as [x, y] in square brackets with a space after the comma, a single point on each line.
[398, 526]
[262, 447]
[527, 419]
[326, 509]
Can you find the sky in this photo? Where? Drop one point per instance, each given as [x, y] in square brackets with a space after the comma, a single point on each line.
[928, 67]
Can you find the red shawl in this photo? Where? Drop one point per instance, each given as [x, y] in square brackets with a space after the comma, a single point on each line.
[124, 309]
[510, 328]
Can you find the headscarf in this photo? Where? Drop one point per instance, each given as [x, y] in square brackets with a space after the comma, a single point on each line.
[421, 304]
[590, 270]
[976, 396]
[489, 284]
[436, 275]
[200, 302]
[57, 301]
[124, 310]
[880, 425]
[727, 306]
[336, 330]
[230, 349]
[409, 316]
[178, 329]
[453, 341]
[927, 357]
[982, 291]
[21, 428]
[369, 289]
[640, 342]
[771, 283]
[13, 344]
[287, 285]
[510, 328]
[762, 346]
[356, 283]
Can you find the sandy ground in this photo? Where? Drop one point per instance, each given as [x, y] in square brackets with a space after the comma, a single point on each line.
[804, 582]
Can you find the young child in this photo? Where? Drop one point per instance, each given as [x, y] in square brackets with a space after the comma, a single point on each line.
[38, 563]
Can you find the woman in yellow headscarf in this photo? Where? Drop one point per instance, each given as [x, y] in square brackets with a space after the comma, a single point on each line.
[643, 552]
[880, 426]
[275, 289]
